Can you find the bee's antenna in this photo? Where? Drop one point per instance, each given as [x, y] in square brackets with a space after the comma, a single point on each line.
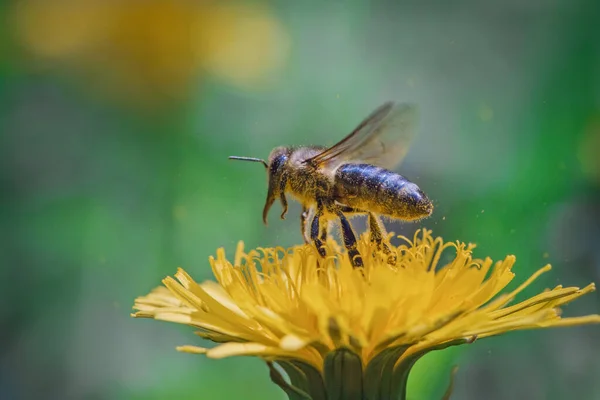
[250, 159]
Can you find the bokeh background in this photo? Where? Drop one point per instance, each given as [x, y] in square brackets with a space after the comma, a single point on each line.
[117, 117]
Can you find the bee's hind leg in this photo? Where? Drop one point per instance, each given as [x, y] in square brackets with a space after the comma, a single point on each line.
[378, 235]
[377, 232]
[350, 241]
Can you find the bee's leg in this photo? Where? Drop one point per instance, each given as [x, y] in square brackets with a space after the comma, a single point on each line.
[284, 203]
[350, 241]
[350, 210]
[324, 231]
[379, 236]
[315, 228]
[303, 219]
[377, 232]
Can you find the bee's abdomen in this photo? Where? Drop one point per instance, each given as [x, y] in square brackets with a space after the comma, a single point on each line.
[371, 188]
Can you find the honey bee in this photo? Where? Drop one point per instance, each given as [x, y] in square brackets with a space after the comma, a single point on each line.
[351, 177]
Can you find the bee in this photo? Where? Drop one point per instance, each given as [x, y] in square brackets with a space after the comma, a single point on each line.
[352, 177]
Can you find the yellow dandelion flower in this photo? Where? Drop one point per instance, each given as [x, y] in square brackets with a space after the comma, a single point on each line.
[345, 333]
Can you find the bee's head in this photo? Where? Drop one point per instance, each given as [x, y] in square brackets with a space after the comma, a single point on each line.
[276, 167]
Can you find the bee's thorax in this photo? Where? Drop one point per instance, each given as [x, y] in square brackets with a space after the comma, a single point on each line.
[304, 181]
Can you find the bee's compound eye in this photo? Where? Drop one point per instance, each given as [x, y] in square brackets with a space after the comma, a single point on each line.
[278, 161]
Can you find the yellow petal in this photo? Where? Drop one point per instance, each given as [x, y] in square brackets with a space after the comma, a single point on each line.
[192, 349]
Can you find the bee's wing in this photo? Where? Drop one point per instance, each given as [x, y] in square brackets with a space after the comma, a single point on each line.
[380, 139]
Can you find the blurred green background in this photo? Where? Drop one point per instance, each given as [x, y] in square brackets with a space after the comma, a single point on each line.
[117, 118]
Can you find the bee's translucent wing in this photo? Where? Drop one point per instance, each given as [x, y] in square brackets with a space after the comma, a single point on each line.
[380, 139]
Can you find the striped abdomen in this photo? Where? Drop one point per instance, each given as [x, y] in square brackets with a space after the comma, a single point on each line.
[370, 188]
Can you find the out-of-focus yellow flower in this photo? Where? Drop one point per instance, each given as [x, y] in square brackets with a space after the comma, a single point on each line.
[152, 49]
[345, 333]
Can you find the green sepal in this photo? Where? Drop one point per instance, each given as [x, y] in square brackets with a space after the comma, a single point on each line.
[342, 370]
[292, 392]
[379, 374]
[450, 387]
[402, 370]
[305, 378]
[297, 377]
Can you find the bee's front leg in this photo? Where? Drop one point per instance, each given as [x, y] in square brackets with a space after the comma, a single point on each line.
[350, 241]
[284, 203]
[304, 217]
